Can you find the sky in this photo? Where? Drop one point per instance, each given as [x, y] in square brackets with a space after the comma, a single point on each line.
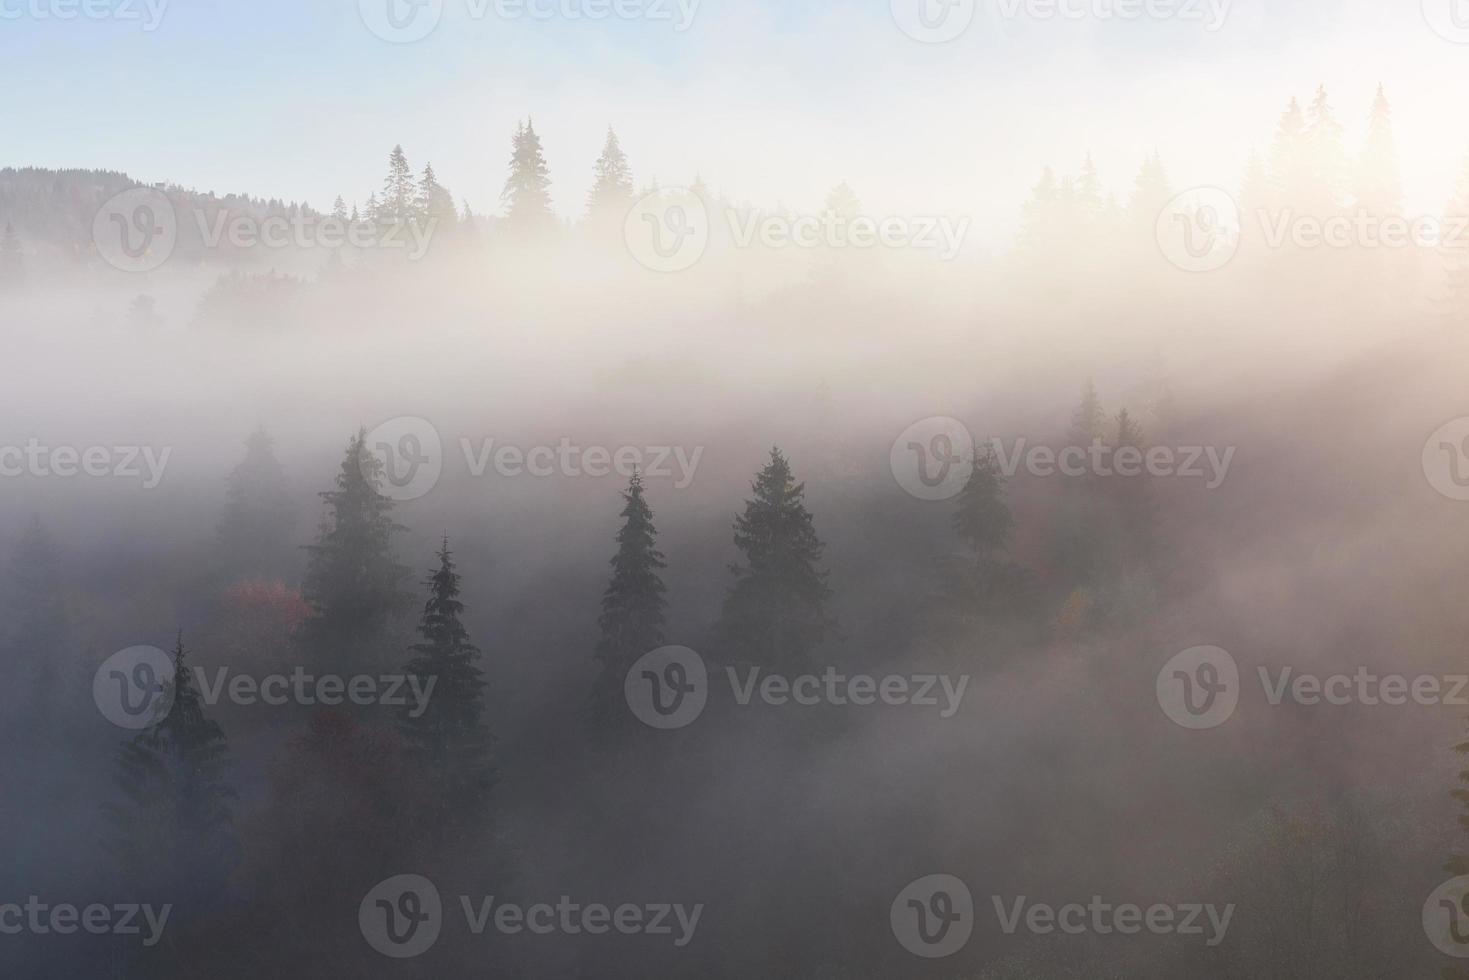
[770, 101]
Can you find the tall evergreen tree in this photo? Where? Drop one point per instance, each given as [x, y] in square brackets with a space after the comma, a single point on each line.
[1379, 181]
[985, 585]
[449, 739]
[1151, 193]
[612, 188]
[353, 580]
[983, 519]
[1290, 170]
[1327, 156]
[172, 824]
[255, 529]
[339, 209]
[774, 615]
[435, 204]
[632, 619]
[1088, 422]
[527, 193]
[399, 194]
[1129, 433]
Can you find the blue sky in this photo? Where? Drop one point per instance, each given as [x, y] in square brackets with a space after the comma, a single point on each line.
[771, 101]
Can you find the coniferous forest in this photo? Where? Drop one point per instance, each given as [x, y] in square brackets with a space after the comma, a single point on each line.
[953, 491]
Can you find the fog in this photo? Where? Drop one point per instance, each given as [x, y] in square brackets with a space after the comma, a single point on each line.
[1051, 571]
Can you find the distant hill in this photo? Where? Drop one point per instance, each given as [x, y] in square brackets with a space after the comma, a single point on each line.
[52, 210]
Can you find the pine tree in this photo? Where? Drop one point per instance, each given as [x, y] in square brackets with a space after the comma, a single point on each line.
[353, 581]
[983, 519]
[1379, 182]
[1128, 432]
[339, 209]
[449, 738]
[612, 188]
[631, 622]
[1088, 422]
[435, 205]
[1150, 194]
[774, 615]
[172, 825]
[527, 196]
[399, 195]
[1289, 162]
[255, 529]
[1328, 159]
[1038, 230]
[1089, 190]
[986, 582]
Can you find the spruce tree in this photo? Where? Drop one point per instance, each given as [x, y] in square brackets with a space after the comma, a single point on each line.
[1289, 161]
[1150, 193]
[399, 193]
[435, 205]
[339, 209]
[1379, 181]
[633, 606]
[12, 259]
[774, 615]
[1129, 433]
[985, 582]
[255, 529]
[353, 580]
[1088, 422]
[449, 738]
[1326, 156]
[172, 823]
[527, 196]
[612, 188]
[983, 519]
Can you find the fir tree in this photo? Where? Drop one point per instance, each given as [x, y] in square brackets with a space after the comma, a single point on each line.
[399, 195]
[353, 580]
[172, 826]
[774, 614]
[1327, 158]
[527, 196]
[631, 623]
[339, 209]
[435, 204]
[449, 738]
[1379, 182]
[255, 529]
[1128, 432]
[1150, 194]
[986, 582]
[612, 188]
[1088, 422]
[983, 519]
[1089, 190]
[1289, 165]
